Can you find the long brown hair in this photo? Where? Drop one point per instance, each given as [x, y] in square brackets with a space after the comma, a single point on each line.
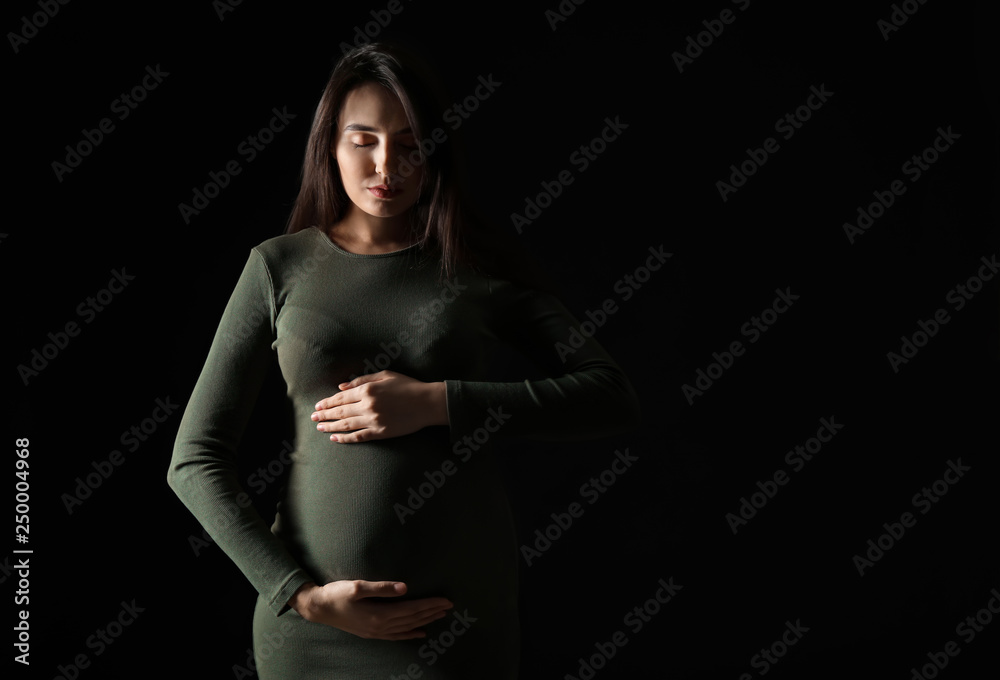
[443, 219]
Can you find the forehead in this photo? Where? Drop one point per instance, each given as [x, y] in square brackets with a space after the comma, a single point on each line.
[372, 105]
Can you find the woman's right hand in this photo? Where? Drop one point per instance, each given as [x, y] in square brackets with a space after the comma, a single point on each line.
[345, 605]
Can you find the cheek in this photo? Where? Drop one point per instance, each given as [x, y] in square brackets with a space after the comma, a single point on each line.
[351, 167]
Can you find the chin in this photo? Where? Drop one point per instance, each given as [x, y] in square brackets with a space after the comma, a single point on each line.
[384, 211]
[387, 209]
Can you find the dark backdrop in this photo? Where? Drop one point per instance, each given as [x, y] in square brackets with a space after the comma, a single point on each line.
[792, 563]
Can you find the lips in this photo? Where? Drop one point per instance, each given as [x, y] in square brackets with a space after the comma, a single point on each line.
[383, 191]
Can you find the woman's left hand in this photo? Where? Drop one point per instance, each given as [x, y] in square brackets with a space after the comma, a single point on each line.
[381, 405]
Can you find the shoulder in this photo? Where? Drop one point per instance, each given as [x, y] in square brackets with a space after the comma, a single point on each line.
[290, 251]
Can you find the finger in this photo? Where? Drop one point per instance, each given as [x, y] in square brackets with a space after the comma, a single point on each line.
[347, 404]
[330, 415]
[413, 610]
[329, 402]
[345, 395]
[325, 414]
[340, 425]
[366, 378]
[344, 398]
[399, 609]
[393, 625]
[414, 627]
[357, 436]
[378, 589]
[428, 618]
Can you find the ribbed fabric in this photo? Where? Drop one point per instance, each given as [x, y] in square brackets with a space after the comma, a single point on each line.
[384, 510]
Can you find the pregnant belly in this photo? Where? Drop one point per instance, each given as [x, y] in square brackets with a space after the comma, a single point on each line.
[385, 510]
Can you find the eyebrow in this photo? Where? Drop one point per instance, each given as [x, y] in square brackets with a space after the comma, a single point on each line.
[358, 127]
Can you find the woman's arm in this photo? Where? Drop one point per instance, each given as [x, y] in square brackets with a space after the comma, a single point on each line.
[586, 395]
[203, 469]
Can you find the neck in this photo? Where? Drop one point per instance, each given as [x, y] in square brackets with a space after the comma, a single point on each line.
[360, 228]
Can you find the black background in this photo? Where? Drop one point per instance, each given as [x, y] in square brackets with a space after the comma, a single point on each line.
[654, 185]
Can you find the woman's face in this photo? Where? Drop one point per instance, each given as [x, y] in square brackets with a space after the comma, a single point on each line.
[373, 139]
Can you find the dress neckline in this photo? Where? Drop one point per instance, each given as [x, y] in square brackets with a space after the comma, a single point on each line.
[330, 242]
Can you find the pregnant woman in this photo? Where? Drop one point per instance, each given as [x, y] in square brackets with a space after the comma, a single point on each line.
[392, 552]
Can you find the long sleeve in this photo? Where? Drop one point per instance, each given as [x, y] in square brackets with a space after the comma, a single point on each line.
[586, 395]
[203, 468]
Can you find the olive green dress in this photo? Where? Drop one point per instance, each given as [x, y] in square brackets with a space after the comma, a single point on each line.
[427, 508]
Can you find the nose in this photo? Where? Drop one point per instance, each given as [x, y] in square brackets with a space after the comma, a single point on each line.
[387, 161]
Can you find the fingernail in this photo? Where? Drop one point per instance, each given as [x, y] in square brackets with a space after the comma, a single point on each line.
[334, 438]
[314, 416]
